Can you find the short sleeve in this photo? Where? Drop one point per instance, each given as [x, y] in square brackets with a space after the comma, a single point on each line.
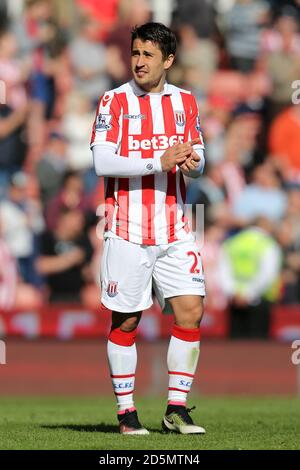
[193, 126]
[106, 127]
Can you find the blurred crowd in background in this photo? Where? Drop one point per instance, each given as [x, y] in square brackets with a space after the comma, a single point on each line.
[241, 59]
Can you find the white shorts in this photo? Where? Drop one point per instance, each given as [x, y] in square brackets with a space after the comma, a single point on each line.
[129, 271]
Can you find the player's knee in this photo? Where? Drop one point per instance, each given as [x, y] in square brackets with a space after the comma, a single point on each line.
[191, 317]
[194, 320]
[130, 324]
[125, 322]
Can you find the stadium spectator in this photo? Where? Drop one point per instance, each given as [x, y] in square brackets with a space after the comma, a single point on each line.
[76, 124]
[263, 197]
[284, 143]
[8, 277]
[249, 275]
[14, 293]
[51, 168]
[26, 27]
[22, 223]
[65, 256]
[88, 61]
[12, 72]
[289, 237]
[198, 59]
[12, 144]
[71, 196]
[90, 292]
[40, 40]
[217, 190]
[289, 240]
[234, 132]
[282, 30]
[210, 192]
[211, 255]
[200, 14]
[215, 123]
[281, 61]
[278, 7]
[105, 13]
[46, 67]
[243, 145]
[283, 34]
[293, 205]
[237, 145]
[242, 26]
[41, 43]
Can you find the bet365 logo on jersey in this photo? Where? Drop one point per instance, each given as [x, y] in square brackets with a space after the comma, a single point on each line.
[158, 142]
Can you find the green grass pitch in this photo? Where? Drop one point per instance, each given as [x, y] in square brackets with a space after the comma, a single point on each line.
[90, 423]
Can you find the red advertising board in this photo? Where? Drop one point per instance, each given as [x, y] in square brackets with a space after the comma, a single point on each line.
[73, 321]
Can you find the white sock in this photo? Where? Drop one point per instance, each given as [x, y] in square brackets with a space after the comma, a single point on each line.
[182, 363]
[122, 363]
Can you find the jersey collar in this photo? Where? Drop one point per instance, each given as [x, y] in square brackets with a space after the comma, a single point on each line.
[140, 92]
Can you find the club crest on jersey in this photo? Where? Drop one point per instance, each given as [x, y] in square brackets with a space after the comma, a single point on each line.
[180, 118]
[103, 122]
[112, 289]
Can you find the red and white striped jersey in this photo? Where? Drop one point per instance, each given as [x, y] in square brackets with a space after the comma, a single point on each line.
[147, 209]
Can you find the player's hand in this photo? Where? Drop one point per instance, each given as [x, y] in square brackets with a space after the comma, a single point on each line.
[177, 154]
[191, 163]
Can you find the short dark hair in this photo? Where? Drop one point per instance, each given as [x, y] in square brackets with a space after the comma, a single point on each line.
[157, 33]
